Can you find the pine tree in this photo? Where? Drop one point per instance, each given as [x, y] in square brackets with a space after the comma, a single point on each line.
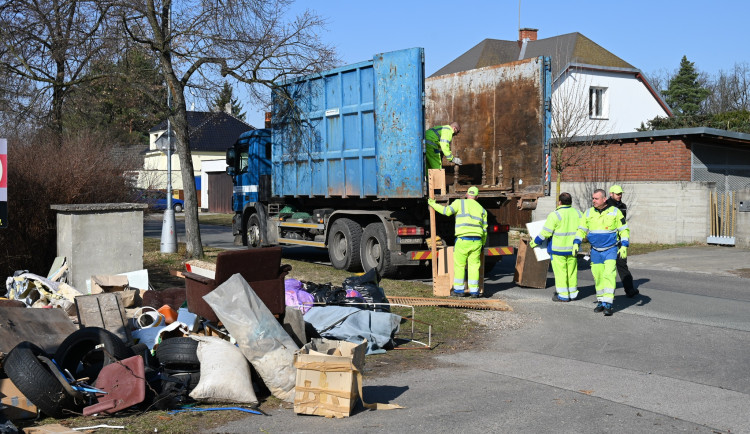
[685, 94]
[225, 97]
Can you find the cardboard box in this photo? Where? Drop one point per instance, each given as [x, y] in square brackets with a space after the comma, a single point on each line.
[14, 405]
[327, 377]
[529, 272]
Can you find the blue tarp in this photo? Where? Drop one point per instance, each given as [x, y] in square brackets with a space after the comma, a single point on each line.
[353, 324]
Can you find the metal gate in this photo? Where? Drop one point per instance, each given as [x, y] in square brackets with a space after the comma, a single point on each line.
[219, 192]
[723, 209]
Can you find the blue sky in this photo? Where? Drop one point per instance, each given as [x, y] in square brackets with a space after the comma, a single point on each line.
[650, 35]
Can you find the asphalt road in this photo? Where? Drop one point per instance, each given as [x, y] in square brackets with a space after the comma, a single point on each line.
[674, 359]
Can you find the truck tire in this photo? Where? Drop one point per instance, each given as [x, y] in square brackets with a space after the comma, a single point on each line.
[37, 383]
[252, 232]
[86, 351]
[343, 244]
[374, 251]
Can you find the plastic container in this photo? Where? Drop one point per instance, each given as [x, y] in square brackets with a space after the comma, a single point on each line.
[169, 314]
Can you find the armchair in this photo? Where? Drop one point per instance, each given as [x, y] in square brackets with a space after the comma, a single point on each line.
[261, 268]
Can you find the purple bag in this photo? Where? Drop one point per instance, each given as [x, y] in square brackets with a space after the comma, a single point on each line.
[297, 297]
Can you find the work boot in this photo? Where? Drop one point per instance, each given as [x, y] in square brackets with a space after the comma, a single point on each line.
[608, 311]
[599, 307]
[474, 295]
[455, 293]
[556, 298]
[633, 294]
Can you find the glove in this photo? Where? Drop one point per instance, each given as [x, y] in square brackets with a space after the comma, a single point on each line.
[623, 252]
[456, 161]
[532, 244]
[431, 202]
[575, 249]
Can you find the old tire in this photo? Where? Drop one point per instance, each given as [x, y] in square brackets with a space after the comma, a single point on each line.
[253, 232]
[86, 351]
[374, 251]
[343, 244]
[37, 383]
[178, 354]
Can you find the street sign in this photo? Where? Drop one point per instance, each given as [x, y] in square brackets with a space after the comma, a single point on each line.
[3, 183]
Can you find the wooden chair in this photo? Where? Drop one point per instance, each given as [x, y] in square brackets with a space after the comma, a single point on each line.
[261, 268]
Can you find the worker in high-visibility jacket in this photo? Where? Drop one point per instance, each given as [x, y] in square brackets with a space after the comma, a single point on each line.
[561, 227]
[602, 226]
[438, 140]
[471, 235]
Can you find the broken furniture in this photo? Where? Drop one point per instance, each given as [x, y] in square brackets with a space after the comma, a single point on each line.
[124, 383]
[261, 268]
[174, 297]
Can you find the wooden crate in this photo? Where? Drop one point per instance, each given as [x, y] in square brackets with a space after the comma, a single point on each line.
[530, 272]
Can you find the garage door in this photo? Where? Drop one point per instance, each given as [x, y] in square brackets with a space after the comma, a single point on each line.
[219, 192]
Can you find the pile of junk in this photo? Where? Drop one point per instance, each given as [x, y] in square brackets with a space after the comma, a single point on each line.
[237, 330]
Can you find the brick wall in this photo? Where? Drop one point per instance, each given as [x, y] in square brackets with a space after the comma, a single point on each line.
[633, 161]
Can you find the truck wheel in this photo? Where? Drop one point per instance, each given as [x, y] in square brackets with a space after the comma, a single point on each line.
[374, 251]
[343, 244]
[253, 232]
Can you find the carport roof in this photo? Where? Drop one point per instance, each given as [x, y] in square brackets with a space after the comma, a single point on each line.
[211, 131]
[712, 134]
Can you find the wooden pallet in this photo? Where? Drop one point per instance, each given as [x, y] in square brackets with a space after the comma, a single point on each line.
[466, 303]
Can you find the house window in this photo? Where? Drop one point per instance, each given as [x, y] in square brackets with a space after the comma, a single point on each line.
[597, 102]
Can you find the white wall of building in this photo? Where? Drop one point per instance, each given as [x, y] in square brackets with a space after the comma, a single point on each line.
[628, 101]
[658, 212]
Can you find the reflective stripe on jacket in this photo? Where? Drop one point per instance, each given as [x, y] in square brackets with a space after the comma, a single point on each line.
[602, 228]
[439, 139]
[471, 218]
[562, 225]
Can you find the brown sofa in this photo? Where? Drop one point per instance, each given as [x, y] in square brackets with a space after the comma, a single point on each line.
[261, 268]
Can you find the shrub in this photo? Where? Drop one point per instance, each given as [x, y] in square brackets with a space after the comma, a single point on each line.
[80, 169]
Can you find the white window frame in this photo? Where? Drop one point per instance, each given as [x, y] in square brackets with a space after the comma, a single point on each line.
[598, 102]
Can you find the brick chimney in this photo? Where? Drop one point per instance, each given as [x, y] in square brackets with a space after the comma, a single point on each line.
[527, 33]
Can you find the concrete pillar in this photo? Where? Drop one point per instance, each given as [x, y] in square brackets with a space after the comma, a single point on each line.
[103, 238]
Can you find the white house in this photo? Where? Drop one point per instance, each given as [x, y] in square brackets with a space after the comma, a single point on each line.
[210, 133]
[612, 94]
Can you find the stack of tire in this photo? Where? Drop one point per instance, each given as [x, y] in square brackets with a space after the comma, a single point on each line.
[83, 353]
[179, 369]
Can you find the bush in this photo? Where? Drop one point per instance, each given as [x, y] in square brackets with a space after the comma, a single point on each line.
[81, 169]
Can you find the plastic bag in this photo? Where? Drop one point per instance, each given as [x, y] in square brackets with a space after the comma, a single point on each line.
[297, 297]
[259, 335]
[367, 286]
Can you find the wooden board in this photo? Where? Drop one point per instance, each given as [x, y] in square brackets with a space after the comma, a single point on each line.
[467, 303]
[529, 272]
[104, 310]
[44, 327]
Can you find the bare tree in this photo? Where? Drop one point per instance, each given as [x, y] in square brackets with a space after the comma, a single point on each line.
[575, 127]
[200, 42]
[51, 44]
[730, 90]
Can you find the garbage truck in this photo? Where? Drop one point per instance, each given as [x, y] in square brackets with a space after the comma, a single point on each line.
[342, 165]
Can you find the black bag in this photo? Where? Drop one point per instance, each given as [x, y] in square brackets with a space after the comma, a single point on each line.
[367, 286]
